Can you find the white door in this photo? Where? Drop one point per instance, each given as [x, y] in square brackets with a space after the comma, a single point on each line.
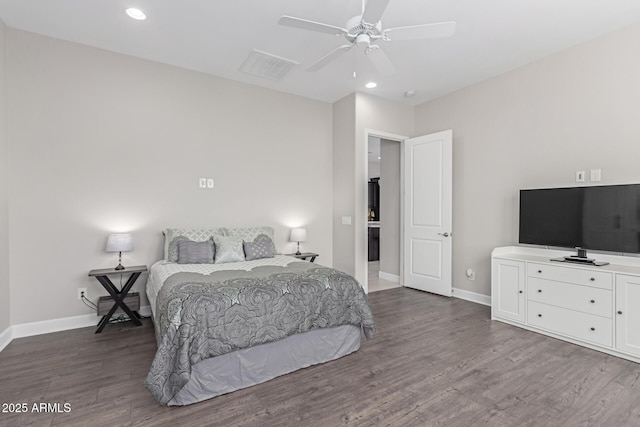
[427, 213]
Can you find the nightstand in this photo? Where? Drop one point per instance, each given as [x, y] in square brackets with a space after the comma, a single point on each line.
[304, 255]
[102, 275]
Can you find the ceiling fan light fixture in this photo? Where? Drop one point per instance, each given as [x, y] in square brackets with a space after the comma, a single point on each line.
[364, 31]
[136, 14]
[371, 85]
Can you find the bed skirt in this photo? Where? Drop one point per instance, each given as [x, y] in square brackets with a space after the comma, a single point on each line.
[254, 365]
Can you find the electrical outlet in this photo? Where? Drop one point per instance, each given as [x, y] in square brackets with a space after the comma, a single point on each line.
[580, 176]
[210, 183]
[82, 291]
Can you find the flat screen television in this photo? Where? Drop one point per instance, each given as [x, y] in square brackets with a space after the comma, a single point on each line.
[605, 218]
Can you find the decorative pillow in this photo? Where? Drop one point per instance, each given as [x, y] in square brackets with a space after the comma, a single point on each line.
[190, 252]
[228, 249]
[260, 248]
[249, 234]
[171, 251]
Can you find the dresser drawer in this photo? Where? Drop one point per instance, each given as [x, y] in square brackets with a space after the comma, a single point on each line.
[587, 277]
[575, 297]
[573, 324]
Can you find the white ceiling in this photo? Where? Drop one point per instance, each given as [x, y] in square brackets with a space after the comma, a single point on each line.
[216, 36]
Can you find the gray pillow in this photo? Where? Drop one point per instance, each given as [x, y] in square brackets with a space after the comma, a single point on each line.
[190, 252]
[228, 249]
[258, 249]
[172, 253]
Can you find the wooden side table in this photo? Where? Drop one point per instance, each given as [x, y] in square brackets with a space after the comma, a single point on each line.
[102, 275]
[304, 255]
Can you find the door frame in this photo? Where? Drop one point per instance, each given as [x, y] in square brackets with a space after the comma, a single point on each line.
[362, 233]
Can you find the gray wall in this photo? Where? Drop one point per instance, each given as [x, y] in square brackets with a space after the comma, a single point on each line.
[102, 142]
[390, 207]
[535, 127]
[4, 191]
[343, 181]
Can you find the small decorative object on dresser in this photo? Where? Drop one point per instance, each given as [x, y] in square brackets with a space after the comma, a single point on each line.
[587, 305]
[119, 298]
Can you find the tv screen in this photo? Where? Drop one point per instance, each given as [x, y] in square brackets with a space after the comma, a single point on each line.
[605, 218]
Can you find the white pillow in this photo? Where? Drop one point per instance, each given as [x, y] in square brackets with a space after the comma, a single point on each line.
[228, 249]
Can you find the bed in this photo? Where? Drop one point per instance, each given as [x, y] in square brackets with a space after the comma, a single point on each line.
[231, 324]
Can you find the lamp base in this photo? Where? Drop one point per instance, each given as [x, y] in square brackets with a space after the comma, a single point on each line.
[298, 253]
[119, 266]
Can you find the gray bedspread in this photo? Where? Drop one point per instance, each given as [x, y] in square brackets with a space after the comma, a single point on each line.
[202, 316]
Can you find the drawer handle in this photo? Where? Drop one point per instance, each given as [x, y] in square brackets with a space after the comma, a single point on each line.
[593, 329]
[593, 301]
[593, 279]
[539, 271]
[539, 315]
[619, 312]
[540, 291]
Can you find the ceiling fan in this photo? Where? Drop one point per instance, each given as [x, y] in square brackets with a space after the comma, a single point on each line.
[366, 30]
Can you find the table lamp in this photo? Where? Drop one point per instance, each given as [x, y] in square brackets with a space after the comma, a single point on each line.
[298, 235]
[121, 242]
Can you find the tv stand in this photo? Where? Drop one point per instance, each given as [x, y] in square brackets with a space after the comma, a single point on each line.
[573, 301]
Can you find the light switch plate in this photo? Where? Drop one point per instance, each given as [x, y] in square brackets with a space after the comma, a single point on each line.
[580, 176]
[596, 175]
[210, 183]
[203, 182]
[346, 220]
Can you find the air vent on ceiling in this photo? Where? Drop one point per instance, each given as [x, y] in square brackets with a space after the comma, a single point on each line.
[265, 65]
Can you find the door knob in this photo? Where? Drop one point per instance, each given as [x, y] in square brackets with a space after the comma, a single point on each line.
[445, 234]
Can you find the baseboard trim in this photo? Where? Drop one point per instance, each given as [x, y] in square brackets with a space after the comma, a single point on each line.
[472, 296]
[54, 325]
[6, 337]
[389, 277]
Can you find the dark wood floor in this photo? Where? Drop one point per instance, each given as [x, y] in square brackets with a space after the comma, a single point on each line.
[434, 361]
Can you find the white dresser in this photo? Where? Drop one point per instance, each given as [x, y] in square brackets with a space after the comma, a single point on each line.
[596, 307]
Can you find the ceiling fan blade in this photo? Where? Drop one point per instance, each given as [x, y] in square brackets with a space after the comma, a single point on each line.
[305, 24]
[320, 63]
[373, 11]
[424, 31]
[380, 60]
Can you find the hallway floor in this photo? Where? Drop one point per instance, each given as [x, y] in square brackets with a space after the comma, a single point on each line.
[375, 282]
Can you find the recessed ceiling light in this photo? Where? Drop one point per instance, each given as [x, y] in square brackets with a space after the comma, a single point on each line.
[410, 93]
[136, 14]
[371, 85]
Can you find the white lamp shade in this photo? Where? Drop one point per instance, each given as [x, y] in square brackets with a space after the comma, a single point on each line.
[122, 242]
[298, 235]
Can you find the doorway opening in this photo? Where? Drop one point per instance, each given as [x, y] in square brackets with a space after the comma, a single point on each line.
[384, 212]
